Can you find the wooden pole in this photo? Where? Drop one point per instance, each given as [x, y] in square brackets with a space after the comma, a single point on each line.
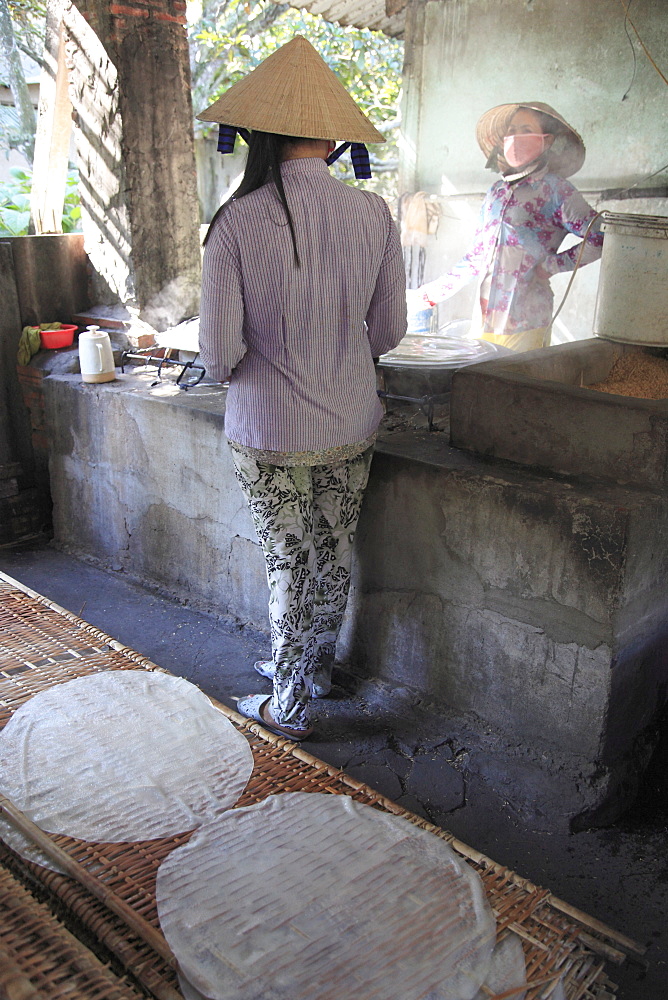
[141, 927]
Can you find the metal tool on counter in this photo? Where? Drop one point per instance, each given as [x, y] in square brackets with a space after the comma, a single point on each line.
[426, 403]
[144, 354]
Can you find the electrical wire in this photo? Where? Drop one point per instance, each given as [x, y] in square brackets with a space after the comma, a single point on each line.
[626, 6]
[635, 57]
[575, 269]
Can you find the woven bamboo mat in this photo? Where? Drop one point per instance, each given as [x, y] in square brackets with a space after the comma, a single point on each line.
[41, 960]
[41, 645]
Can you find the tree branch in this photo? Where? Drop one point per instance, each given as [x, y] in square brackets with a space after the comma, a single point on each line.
[388, 126]
[17, 82]
[267, 18]
[32, 54]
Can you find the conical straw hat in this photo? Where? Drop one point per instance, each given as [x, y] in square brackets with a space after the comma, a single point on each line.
[565, 156]
[293, 92]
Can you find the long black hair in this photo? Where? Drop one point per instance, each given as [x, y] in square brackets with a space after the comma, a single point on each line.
[263, 166]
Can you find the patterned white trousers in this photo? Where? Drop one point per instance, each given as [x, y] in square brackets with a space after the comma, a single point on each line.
[305, 518]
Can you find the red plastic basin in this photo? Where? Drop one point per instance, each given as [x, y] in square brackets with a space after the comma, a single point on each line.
[58, 338]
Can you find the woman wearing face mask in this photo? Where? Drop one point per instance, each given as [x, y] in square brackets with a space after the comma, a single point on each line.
[524, 219]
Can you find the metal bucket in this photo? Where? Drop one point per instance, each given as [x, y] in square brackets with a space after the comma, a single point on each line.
[632, 297]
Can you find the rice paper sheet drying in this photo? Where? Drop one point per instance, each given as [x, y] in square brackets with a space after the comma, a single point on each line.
[506, 975]
[507, 971]
[120, 756]
[316, 897]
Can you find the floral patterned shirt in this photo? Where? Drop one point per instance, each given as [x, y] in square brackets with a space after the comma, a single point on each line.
[522, 225]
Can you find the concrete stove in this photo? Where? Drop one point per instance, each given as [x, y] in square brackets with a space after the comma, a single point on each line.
[536, 409]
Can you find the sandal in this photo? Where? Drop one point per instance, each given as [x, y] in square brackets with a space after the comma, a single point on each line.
[251, 706]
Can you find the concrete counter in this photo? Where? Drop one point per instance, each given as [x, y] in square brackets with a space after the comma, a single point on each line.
[533, 603]
[143, 481]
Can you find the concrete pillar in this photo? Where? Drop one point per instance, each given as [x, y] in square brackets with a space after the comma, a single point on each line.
[129, 83]
[413, 71]
[54, 130]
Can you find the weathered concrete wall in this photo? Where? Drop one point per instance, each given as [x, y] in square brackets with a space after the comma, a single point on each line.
[536, 602]
[42, 279]
[144, 482]
[507, 593]
[130, 90]
[24, 506]
[52, 277]
[465, 56]
[530, 601]
[14, 423]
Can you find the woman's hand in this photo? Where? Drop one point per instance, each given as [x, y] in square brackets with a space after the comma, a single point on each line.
[541, 273]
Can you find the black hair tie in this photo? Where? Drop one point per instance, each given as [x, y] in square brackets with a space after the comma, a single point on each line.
[227, 135]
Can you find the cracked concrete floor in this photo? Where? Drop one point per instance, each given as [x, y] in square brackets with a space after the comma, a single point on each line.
[383, 737]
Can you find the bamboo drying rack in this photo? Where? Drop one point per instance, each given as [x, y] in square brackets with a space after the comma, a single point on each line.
[42, 644]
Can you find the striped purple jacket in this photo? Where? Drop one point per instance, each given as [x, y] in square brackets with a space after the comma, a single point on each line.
[297, 342]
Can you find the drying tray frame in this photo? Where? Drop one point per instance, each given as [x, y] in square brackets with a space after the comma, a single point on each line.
[42, 644]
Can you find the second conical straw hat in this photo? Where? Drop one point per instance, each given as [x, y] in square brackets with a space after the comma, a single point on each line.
[293, 92]
[564, 157]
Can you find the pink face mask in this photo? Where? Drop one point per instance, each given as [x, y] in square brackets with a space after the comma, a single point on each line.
[522, 148]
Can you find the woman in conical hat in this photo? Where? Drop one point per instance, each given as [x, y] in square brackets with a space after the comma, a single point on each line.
[303, 286]
[524, 219]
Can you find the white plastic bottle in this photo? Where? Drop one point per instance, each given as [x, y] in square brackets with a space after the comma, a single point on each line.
[96, 357]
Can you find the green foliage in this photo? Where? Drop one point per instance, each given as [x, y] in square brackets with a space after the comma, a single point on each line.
[29, 19]
[71, 221]
[231, 38]
[15, 203]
